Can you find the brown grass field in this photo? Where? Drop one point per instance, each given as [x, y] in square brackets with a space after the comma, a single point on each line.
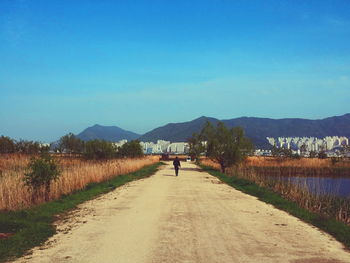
[286, 162]
[76, 173]
[274, 166]
[289, 162]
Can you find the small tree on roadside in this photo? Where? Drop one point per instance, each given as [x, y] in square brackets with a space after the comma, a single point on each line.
[40, 173]
[196, 146]
[226, 146]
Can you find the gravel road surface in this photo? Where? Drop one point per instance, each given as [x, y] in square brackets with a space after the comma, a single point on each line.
[189, 218]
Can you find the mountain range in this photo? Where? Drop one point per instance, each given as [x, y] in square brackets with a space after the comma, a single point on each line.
[255, 128]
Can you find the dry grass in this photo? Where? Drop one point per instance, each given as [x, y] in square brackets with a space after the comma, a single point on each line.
[270, 166]
[302, 162]
[76, 174]
[261, 171]
[208, 162]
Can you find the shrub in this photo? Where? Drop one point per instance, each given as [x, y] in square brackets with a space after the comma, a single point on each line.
[41, 171]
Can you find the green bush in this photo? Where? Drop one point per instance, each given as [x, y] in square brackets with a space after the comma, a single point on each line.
[40, 172]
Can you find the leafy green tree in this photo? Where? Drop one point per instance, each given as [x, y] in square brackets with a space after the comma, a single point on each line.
[131, 149]
[226, 146]
[71, 144]
[7, 145]
[196, 145]
[99, 149]
[40, 172]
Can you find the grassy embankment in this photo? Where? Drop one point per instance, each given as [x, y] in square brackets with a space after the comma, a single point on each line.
[32, 226]
[76, 173]
[283, 198]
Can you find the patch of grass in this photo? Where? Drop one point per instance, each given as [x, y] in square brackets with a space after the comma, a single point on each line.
[337, 229]
[34, 226]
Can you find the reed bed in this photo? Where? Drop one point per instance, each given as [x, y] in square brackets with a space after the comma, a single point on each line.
[76, 174]
[317, 201]
[270, 166]
[302, 162]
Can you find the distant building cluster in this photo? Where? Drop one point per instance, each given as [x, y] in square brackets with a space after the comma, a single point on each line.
[160, 147]
[308, 144]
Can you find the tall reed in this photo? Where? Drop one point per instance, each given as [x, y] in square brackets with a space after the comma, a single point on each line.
[316, 200]
[76, 174]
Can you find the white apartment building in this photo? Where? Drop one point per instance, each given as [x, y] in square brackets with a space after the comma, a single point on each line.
[311, 143]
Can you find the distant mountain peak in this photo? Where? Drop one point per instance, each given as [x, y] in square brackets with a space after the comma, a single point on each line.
[108, 133]
[203, 118]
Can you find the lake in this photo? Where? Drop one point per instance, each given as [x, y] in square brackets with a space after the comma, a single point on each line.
[325, 185]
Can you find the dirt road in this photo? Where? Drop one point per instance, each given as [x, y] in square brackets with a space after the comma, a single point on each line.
[189, 218]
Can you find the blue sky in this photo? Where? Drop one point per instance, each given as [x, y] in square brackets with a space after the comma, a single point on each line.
[66, 65]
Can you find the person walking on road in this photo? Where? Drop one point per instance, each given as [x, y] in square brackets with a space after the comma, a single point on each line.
[176, 164]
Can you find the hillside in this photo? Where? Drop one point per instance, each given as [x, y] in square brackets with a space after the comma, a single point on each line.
[177, 132]
[108, 133]
[258, 128]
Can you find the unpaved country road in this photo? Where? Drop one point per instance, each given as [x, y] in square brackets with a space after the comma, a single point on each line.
[190, 218]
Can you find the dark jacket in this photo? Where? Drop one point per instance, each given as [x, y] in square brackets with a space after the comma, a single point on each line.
[176, 163]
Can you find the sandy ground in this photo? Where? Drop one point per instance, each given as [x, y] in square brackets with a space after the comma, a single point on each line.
[189, 218]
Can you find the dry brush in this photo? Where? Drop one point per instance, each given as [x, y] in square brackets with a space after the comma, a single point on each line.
[76, 174]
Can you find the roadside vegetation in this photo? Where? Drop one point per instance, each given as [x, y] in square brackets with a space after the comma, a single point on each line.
[279, 181]
[338, 229]
[73, 146]
[32, 173]
[306, 167]
[21, 187]
[273, 179]
[97, 149]
[226, 147]
[39, 181]
[31, 227]
[8, 145]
